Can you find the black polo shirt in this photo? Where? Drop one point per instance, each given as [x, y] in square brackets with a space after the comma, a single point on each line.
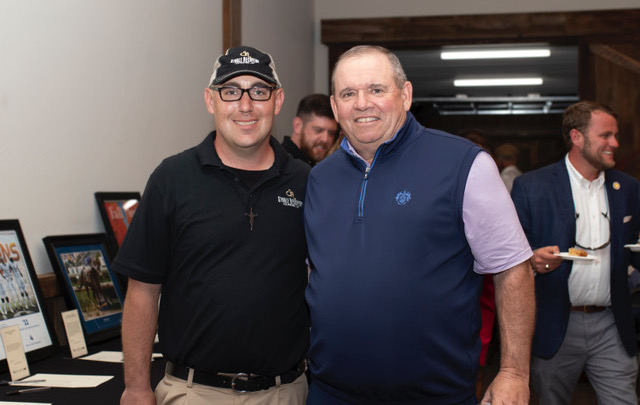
[232, 296]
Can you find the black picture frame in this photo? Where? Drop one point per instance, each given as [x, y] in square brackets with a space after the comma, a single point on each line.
[82, 264]
[21, 301]
[116, 210]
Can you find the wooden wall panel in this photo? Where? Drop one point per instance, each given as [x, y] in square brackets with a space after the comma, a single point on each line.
[411, 31]
[618, 85]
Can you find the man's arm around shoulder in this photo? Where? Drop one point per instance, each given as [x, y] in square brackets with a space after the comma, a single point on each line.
[139, 324]
[515, 305]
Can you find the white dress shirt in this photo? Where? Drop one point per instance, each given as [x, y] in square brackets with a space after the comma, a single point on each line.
[589, 281]
[508, 175]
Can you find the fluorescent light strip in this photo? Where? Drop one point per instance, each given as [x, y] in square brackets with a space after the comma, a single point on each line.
[496, 54]
[531, 81]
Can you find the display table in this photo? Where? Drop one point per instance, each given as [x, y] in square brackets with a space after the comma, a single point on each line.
[104, 394]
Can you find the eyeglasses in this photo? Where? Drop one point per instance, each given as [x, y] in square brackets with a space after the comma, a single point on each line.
[256, 93]
[599, 247]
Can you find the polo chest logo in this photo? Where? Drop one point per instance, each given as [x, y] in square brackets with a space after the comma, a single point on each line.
[403, 197]
[290, 200]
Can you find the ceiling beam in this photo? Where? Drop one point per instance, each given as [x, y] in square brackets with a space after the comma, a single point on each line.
[562, 27]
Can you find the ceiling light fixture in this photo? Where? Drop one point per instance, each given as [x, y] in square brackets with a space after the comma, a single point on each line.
[523, 81]
[495, 54]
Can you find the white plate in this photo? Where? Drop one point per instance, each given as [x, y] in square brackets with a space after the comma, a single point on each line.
[567, 256]
[634, 248]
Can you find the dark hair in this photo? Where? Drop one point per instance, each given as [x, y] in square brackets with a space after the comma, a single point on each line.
[476, 136]
[396, 67]
[578, 116]
[318, 104]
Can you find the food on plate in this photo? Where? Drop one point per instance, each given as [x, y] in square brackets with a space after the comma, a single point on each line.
[577, 252]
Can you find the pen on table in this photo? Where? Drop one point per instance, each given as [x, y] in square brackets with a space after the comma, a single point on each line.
[27, 390]
[19, 382]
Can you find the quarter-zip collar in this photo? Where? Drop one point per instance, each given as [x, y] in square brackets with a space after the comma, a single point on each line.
[387, 147]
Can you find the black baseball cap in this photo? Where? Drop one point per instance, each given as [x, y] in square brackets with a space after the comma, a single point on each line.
[244, 60]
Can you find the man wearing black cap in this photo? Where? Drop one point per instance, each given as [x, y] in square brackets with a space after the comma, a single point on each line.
[219, 232]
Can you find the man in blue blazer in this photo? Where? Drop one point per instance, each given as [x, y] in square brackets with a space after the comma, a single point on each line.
[584, 319]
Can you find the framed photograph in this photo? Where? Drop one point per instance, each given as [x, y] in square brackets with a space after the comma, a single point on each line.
[83, 268]
[21, 300]
[116, 210]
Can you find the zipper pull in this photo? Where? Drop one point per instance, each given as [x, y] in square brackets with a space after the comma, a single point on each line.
[366, 172]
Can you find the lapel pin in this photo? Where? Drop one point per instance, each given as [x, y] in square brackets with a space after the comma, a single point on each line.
[616, 185]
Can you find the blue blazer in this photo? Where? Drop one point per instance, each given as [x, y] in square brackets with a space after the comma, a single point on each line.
[544, 203]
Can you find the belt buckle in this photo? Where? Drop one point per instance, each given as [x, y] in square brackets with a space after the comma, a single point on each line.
[233, 382]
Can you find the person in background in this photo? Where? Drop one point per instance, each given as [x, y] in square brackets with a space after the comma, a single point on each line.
[397, 263]
[478, 137]
[314, 130]
[507, 160]
[219, 232]
[584, 318]
[337, 143]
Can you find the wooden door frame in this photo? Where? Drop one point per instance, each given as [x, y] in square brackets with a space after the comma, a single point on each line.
[231, 24]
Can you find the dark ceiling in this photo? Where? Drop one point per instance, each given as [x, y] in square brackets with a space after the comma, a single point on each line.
[432, 80]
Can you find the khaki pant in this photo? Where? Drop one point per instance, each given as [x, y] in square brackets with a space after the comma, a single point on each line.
[174, 391]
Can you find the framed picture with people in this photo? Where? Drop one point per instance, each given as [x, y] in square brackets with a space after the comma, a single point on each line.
[83, 268]
[21, 301]
[116, 210]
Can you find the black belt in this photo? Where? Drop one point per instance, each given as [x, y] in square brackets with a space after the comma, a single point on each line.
[240, 382]
[589, 308]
